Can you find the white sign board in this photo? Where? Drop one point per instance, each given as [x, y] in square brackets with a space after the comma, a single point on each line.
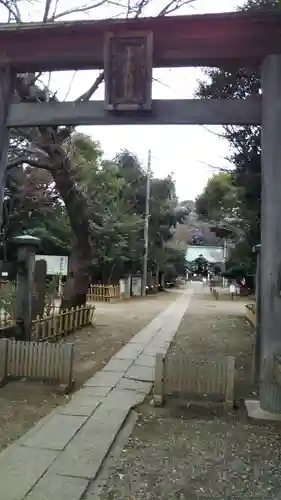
[232, 289]
[122, 286]
[136, 286]
[56, 265]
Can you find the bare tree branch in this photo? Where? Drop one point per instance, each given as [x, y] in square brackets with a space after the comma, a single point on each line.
[213, 167]
[174, 5]
[47, 10]
[162, 83]
[217, 134]
[88, 94]
[139, 7]
[55, 9]
[33, 162]
[84, 8]
[12, 9]
[70, 85]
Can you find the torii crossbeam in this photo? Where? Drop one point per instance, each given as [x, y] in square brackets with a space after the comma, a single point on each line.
[239, 39]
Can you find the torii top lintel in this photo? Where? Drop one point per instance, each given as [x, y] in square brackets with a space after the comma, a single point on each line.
[236, 39]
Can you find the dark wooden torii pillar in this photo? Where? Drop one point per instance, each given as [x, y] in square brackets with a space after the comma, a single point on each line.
[270, 253]
[6, 95]
[257, 350]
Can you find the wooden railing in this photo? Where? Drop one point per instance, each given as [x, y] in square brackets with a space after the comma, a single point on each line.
[37, 360]
[192, 377]
[250, 315]
[214, 292]
[103, 293]
[62, 324]
[7, 302]
[6, 318]
[4, 283]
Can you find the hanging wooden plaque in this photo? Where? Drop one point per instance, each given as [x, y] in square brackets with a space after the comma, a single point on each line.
[128, 71]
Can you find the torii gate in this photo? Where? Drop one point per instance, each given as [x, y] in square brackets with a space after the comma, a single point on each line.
[128, 50]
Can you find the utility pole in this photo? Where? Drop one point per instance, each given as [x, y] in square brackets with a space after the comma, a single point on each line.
[146, 224]
[224, 258]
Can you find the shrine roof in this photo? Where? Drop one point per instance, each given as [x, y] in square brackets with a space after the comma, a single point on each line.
[218, 40]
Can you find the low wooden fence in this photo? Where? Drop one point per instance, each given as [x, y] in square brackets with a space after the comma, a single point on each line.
[62, 324]
[45, 361]
[5, 283]
[53, 324]
[6, 318]
[214, 292]
[193, 377]
[250, 315]
[7, 302]
[103, 293]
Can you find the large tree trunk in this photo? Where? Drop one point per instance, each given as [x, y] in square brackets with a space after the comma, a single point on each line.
[50, 140]
[77, 282]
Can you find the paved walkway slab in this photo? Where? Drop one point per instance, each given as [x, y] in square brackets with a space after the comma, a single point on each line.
[118, 365]
[63, 453]
[105, 379]
[144, 373]
[145, 360]
[130, 351]
[124, 397]
[138, 386]
[56, 433]
[21, 469]
[85, 453]
[83, 407]
[55, 487]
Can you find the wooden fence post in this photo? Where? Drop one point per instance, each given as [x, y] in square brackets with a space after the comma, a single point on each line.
[92, 314]
[4, 346]
[67, 367]
[159, 380]
[63, 323]
[229, 391]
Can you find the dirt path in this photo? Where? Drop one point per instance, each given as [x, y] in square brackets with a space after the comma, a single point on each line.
[201, 452]
[23, 403]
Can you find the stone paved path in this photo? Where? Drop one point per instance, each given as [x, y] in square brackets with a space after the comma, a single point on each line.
[62, 454]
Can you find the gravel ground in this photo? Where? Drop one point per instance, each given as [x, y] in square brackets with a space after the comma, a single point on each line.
[177, 455]
[199, 451]
[23, 403]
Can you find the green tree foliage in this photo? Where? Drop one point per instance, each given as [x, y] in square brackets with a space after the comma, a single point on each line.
[245, 142]
[175, 263]
[165, 212]
[115, 194]
[219, 199]
[115, 228]
[32, 206]
[200, 266]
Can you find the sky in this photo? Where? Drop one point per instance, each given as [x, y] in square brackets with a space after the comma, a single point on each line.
[192, 153]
